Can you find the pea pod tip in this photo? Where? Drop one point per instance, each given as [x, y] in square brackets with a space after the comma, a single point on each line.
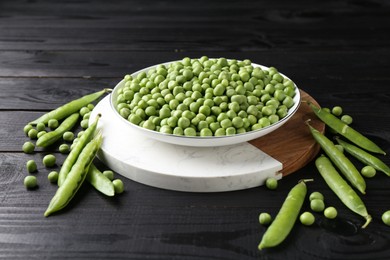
[368, 221]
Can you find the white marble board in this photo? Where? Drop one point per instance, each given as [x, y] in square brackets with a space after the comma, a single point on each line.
[180, 168]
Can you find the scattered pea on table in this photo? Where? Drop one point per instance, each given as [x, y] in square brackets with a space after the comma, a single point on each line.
[118, 186]
[307, 218]
[337, 111]
[27, 128]
[32, 133]
[68, 136]
[64, 148]
[28, 147]
[30, 182]
[368, 171]
[265, 218]
[40, 127]
[316, 195]
[317, 205]
[330, 212]
[53, 123]
[31, 166]
[386, 217]
[271, 183]
[53, 176]
[49, 160]
[109, 174]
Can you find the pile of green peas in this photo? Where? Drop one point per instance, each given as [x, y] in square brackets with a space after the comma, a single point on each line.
[205, 97]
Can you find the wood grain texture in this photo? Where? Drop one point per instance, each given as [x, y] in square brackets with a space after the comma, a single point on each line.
[293, 144]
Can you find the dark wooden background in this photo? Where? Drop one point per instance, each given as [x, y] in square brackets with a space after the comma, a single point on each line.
[54, 51]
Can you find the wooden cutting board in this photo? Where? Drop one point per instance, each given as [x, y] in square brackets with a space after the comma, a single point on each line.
[293, 144]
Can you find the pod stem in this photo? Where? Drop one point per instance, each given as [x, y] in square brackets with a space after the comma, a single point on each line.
[368, 221]
[305, 180]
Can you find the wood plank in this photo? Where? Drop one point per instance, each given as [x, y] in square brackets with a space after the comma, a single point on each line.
[41, 94]
[188, 26]
[146, 221]
[329, 63]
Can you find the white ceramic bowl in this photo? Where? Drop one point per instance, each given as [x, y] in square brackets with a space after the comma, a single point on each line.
[208, 141]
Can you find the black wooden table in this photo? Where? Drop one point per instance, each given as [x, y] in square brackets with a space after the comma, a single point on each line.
[54, 51]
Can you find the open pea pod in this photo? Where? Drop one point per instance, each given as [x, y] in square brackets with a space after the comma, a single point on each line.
[75, 177]
[345, 130]
[69, 108]
[341, 188]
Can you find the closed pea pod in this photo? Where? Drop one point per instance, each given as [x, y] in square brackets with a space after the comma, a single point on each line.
[286, 217]
[51, 137]
[76, 150]
[75, 177]
[69, 108]
[341, 188]
[345, 130]
[340, 160]
[98, 180]
[364, 157]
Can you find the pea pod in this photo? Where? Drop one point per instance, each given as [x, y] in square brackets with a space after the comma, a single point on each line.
[364, 157]
[75, 177]
[69, 108]
[341, 188]
[345, 130]
[340, 160]
[53, 136]
[74, 153]
[98, 180]
[286, 217]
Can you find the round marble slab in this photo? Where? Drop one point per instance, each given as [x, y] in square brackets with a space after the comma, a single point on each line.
[181, 168]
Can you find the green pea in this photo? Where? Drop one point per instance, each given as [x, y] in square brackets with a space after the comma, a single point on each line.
[330, 212]
[206, 132]
[30, 182]
[31, 166]
[53, 123]
[271, 183]
[316, 195]
[368, 171]
[41, 133]
[386, 217]
[347, 119]
[27, 128]
[90, 106]
[337, 111]
[84, 110]
[307, 218]
[49, 160]
[189, 131]
[68, 136]
[265, 218]
[178, 131]
[80, 133]
[53, 176]
[109, 174]
[40, 127]
[84, 123]
[28, 147]
[183, 122]
[118, 186]
[317, 205]
[64, 148]
[33, 133]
